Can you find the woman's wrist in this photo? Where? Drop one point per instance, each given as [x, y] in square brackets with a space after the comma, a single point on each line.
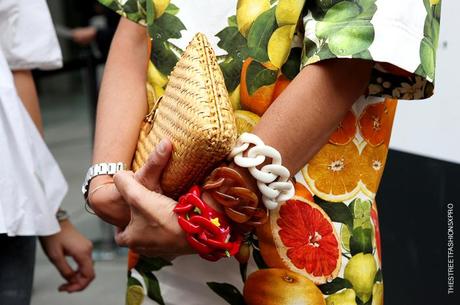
[105, 200]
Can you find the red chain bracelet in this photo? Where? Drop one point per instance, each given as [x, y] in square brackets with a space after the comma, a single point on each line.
[207, 230]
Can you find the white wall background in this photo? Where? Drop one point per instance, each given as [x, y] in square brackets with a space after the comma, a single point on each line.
[431, 127]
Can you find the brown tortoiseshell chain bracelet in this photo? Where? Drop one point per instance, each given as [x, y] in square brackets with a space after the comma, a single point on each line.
[240, 204]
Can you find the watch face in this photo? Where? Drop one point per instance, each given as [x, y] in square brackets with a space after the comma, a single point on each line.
[62, 215]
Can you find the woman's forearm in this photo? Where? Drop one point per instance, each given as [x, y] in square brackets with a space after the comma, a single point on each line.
[122, 100]
[25, 87]
[121, 107]
[301, 120]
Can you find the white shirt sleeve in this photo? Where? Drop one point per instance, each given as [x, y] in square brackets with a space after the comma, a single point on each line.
[32, 186]
[28, 38]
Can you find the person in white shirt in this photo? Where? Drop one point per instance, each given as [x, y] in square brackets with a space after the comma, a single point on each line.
[31, 184]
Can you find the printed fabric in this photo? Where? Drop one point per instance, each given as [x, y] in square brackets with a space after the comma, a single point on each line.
[324, 246]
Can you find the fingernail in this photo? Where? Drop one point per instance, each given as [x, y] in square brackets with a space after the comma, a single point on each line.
[161, 147]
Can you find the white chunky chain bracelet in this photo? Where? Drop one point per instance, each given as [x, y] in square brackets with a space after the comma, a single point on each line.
[272, 179]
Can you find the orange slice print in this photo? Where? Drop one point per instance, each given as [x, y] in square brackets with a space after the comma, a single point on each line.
[371, 168]
[333, 174]
[346, 130]
[376, 121]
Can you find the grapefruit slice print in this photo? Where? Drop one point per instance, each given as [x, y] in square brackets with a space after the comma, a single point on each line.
[301, 237]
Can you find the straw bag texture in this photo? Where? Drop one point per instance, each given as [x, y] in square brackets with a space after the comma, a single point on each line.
[195, 113]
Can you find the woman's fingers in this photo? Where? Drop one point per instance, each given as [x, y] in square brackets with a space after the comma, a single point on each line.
[59, 261]
[150, 173]
[148, 203]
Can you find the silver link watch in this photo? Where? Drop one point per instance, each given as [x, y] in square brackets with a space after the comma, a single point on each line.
[100, 169]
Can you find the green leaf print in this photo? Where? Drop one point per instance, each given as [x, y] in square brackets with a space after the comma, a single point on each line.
[233, 42]
[337, 211]
[163, 57]
[166, 27]
[326, 4]
[378, 276]
[437, 11]
[258, 76]
[361, 241]
[324, 52]
[259, 259]
[427, 5]
[260, 34]
[133, 281]
[228, 292]
[291, 67]
[231, 68]
[130, 7]
[334, 286]
[309, 47]
[150, 13]
[153, 287]
[429, 43]
[151, 264]
[172, 9]
[428, 57]
[232, 21]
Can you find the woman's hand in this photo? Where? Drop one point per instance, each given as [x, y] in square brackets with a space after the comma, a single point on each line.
[107, 202]
[153, 229]
[69, 242]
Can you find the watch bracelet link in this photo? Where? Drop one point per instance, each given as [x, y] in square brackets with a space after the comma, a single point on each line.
[98, 169]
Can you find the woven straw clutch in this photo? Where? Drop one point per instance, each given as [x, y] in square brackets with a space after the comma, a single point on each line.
[195, 113]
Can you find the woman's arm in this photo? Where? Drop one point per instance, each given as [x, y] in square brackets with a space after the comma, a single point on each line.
[122, 105]
[298, 124]
[68, 241]
[25, 87]
[301, 120]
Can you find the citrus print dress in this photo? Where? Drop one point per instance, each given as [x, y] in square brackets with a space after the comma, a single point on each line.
[323, 246]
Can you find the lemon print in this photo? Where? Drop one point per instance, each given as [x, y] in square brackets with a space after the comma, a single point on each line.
[346, 297]
[235, 98]
[377, 294]
[361, 218]
[288, 11]
[134, 295]
[159, 91]
[434, 2]
[352, 39]
[151, 96]
[360, 272]
[247, 11]
[279, 45]
[345, 236]
[155, 77]
[160, 7]
[245, 121]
